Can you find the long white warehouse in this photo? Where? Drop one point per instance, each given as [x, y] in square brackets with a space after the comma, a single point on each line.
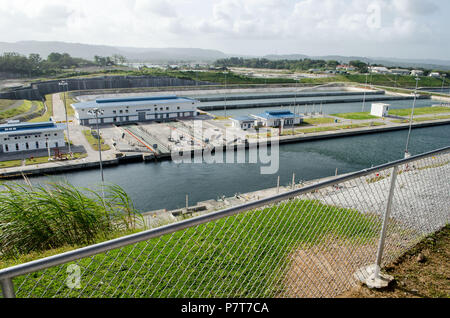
[16, 136]
[136, 109]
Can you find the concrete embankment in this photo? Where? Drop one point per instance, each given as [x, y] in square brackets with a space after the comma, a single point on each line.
[305, 102]
[132, 158]
[281, 95]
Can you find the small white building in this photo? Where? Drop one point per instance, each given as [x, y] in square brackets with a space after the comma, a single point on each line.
[417, 73]
[379, 70]
[16, 136]
[380, 110]
[277, 118]
[434, 74]
[400, 71]
[244, 122]
[136, 109]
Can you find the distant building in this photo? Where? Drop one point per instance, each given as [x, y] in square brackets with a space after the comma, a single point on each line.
[16, 136]
[277, 119]
[399, 71]
[379, 70]
[136, 109]
[380, 110]
[345, 67]
[434, 74]
[417, 73]
[244, 122]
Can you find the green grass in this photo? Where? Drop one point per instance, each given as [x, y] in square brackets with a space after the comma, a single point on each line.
[332, 128]
[48, 113]
[419, 111]
[355, 116]
[69, 101]
[5, 103]
[318, 121]
[212, 257]
[10, 163]
[24, 108]
[40, 160]
[42, 217]
[93, 141]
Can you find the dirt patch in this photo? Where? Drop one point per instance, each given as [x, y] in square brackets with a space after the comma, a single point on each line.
[423, 272]
[326, 270]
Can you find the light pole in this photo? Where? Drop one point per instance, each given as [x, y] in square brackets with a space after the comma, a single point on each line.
[66, 85]
[95, 112]
[225, 95]
[365, 88]
[407, 154]
[443, 82]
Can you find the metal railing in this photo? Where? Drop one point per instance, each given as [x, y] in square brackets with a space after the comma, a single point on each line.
[308, 242]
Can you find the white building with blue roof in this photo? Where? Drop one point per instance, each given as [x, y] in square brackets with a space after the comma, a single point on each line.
[278, 118]
[243, 122]
[17, 137]
[136, 109]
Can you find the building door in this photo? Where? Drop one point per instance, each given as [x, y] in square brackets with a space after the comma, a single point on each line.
[141, 116]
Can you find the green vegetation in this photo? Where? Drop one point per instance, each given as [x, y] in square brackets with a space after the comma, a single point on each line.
[12, 112]
[93, 141]
[49, 113]
[41, 217]
[40, 160]
[10, 163]
[355, 116]
[6, 103]
[419, 111]
[318, 121]
[69, 102]
[206, 255]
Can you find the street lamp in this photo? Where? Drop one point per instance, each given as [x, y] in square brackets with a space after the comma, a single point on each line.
[226, 95]
[443, 82]
[66, 85]
[407, 154]
[365, 88]
[95, 112]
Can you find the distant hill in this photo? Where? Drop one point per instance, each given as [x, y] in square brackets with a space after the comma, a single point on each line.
[166, 55]
[386, 61]
[87, 51]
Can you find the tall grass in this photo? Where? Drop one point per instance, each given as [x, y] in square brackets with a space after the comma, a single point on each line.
[40, 217]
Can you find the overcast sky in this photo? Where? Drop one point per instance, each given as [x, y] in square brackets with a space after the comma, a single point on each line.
[388, 28]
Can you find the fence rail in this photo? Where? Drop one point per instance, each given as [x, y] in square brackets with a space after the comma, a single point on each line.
[308, 242]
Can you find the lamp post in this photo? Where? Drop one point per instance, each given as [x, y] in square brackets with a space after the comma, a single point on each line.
[225, 95]
[66, 85]
[365, 88]
[95, 112]
[443, 82]
[407, 154]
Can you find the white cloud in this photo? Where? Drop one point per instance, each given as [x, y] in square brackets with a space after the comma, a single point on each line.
[247, 26]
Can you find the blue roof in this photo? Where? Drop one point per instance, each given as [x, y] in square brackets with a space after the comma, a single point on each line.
[132, 101]
[278, 114]
[25, 127]
[244, 118]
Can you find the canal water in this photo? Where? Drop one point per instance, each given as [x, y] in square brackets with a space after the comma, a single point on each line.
[154, 186]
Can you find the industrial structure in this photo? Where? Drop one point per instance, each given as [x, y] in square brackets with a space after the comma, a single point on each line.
[277, 118]
[380, 110]
[136, 109]
[17, 137]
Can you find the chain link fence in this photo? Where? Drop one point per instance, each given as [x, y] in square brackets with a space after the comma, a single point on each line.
[307, 243]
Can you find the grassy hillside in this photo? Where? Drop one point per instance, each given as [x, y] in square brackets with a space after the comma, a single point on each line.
[247, 255]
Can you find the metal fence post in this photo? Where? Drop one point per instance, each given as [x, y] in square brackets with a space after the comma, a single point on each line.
[371, 276]
[8, 288]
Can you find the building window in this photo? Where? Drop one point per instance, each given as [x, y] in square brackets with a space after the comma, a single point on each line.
[178, 107]
[56, 144]
[114, 112]
[126, 111]
[156, 109]
[37, 145]
[27, 146]
[162, 108]
[56, 135]
[167, 108]
[121, 111]
[6, 148]
[17, 147]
